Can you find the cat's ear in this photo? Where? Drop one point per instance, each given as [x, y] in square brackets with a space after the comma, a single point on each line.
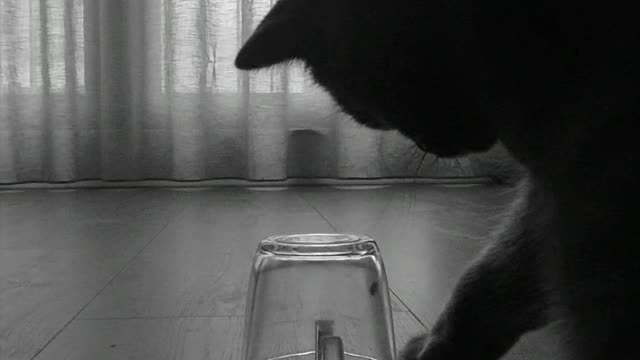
[278, 38]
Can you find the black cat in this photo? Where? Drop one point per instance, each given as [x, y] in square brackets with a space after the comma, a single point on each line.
[557, 83]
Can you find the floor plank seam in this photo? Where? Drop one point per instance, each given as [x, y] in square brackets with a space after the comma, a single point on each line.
[317, 211]
[133, 258]
[413, 314]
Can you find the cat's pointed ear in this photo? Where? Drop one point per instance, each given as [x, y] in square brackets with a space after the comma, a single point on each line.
[278, 38]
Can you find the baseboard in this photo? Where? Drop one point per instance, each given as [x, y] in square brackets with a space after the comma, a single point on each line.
[98, 184]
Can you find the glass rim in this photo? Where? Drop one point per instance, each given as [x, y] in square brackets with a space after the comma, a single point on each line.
[318, 244]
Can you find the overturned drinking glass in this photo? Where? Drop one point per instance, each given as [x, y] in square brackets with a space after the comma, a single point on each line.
[318, 296]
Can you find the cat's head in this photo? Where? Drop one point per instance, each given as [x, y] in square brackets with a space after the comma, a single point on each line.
[389, 64]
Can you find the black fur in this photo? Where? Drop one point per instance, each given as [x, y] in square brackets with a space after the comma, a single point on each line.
[554, 81]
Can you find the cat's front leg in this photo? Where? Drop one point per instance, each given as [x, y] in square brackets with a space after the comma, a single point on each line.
[499, 298]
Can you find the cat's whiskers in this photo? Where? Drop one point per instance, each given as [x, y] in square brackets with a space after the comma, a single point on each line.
[424, 155]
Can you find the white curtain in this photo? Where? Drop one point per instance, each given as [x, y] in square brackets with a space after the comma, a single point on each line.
[146, 89]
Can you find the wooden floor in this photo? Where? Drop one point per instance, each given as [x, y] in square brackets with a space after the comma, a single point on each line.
[162, 274]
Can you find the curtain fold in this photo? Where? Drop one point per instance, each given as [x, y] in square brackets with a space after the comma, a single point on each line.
[146, 89]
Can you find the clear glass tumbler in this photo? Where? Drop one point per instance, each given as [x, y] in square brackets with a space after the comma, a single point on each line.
[318, 296]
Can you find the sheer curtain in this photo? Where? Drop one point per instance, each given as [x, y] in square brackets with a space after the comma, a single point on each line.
[146, 89]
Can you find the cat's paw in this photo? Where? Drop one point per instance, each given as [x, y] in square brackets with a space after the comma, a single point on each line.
[414, 347]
